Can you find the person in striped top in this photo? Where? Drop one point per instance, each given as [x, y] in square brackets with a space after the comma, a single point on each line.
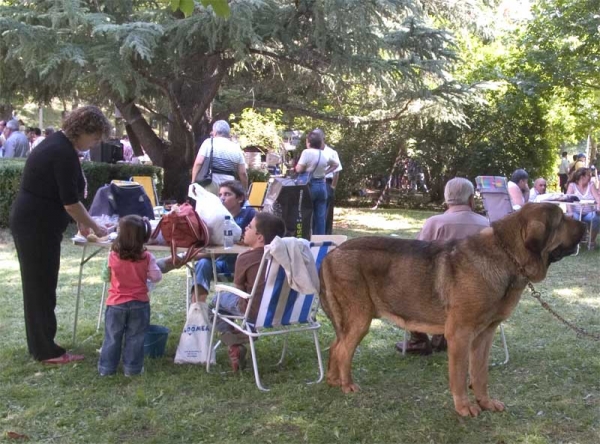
[227, 158]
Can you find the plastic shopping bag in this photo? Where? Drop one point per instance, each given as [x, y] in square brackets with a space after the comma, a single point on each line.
[212, 211]
[194, 343]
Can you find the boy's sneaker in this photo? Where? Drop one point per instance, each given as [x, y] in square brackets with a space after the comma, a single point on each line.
[237, 357]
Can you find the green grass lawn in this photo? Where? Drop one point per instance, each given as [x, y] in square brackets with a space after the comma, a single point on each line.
[551, 386]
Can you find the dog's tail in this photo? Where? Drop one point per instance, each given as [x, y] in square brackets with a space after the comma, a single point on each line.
[327, 297]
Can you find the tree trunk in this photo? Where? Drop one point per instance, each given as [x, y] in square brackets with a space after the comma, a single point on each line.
[5, 111]
[397, 162]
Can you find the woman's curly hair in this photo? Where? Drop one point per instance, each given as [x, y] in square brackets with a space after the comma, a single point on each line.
[86, 120]
[579, 173]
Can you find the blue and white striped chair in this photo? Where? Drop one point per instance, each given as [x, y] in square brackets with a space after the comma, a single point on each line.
[282, 309]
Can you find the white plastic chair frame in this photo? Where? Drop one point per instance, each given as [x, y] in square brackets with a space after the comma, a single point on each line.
[267, 324]
[588, 225]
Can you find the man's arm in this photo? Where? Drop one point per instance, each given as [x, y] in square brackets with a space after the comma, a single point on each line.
[516, 196]
[334, 180]
[243, 175]
[196, 168]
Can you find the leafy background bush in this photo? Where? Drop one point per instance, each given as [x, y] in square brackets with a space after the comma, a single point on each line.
[97, 175]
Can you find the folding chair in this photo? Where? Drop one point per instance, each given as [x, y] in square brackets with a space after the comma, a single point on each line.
[147, 182]
[257, 193]
[337, 239]
[282, 310]
[578, 207]
[497, 204]
[494, 192]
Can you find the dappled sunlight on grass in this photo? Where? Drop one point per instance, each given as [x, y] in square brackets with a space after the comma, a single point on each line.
[357, 222]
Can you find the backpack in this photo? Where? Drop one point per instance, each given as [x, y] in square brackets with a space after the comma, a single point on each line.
[183, 229]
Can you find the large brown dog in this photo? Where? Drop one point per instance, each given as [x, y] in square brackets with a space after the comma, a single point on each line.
[463, 289]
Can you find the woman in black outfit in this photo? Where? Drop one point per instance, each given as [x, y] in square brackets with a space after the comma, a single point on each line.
[50, 187]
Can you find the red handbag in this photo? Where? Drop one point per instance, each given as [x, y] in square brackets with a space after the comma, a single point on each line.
[183, 229]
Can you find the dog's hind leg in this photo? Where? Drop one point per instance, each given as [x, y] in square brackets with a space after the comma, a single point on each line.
[478, 369]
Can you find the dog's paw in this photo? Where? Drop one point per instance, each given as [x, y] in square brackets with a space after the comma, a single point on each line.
[464, 407]
[350, 388]
[493, 405]
[333, 381]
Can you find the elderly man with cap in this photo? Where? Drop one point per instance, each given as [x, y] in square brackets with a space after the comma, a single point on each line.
[17, 144]
[459, 221]
[227, 158]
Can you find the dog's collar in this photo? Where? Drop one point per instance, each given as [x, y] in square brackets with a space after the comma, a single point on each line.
[514, 260]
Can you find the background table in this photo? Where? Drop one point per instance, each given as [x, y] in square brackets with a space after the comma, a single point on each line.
[97, 247]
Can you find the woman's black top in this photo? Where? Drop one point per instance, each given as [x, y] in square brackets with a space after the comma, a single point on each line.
[52, 178]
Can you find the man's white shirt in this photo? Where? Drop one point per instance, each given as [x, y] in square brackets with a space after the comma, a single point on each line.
[332, 154]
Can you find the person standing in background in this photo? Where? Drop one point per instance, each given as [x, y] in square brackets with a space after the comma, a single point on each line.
[17, 143]
[36, 137]
[2, 138]
[227, 158]
[314, 161]
[127, 148]
[563, 172]
[48, 198]
[331, 180]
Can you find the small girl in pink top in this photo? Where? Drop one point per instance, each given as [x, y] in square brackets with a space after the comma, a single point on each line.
[128, 306]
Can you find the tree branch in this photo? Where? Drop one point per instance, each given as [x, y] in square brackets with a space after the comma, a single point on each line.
[210, 88]
[276, 56]
[153, 144]
[302, 110]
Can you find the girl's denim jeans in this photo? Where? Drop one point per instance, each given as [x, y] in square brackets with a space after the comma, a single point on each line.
[125, 327]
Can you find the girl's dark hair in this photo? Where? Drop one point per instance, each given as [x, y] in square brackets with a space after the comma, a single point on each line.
[134, 232]
[86, 120]
[235, 186]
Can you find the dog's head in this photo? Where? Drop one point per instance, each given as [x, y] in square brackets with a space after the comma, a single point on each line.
[539, 234]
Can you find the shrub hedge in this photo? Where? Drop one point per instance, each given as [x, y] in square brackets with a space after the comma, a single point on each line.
[97, 175]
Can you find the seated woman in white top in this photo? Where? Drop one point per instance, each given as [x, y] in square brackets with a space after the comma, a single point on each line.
[580, 186]
[518, 189]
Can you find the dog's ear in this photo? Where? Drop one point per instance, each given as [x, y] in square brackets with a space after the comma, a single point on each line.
[536, 235]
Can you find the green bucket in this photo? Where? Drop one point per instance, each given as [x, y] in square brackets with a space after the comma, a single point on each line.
[155, 341]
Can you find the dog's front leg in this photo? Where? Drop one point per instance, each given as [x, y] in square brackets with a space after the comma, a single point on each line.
[478, 369]
[458, 354]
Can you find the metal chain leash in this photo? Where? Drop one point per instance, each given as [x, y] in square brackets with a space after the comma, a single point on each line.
[537, 295]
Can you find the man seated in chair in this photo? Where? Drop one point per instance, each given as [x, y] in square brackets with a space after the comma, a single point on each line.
[518, 189]
[458, 222]
[260, 232]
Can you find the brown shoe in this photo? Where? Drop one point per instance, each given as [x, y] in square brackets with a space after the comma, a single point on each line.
[418, 344]
[237, 357]
[439, 343]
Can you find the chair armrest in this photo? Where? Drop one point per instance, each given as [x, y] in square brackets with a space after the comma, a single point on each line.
[236, 291]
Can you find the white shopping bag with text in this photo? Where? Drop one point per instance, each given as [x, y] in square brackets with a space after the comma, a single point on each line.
[194, 343]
